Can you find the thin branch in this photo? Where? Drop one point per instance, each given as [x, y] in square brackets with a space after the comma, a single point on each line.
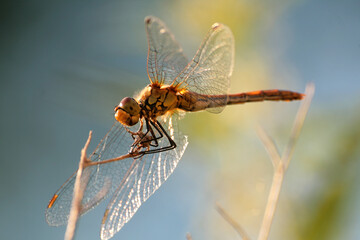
[79, 188]
[188, 236]
[240, 230]
[272, 202]
[280, 167]
[299, 121]
[89, 163]
[270, 146]
[81, 181]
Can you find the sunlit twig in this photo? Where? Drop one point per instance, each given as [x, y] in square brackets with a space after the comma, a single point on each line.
[280, 165]
[188, 236]
[81, 181]
[299, 121]
[270, 146]
[122, 157]
[240, 230]
[79, 188]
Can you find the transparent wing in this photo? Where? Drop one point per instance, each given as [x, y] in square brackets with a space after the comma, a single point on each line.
[165, 56]
[143, 178]
[107, 176]
[210, 70]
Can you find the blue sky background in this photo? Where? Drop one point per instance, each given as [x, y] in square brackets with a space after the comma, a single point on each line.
[64, 65]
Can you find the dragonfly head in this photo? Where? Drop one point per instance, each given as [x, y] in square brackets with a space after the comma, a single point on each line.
[127, 112]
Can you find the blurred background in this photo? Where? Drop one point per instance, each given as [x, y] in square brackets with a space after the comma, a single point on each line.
[65, 65]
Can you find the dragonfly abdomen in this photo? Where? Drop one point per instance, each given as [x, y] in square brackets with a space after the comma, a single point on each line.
[191, 101]
[264, 95]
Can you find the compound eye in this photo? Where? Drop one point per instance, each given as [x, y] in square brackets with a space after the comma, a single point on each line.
[130, 105]
[125, 102]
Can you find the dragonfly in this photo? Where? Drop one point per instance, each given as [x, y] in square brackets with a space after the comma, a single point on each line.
[146, 126]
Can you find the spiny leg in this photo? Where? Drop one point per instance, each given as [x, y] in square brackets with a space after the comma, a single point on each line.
[172, 145]
[145, 140]
[153, 134]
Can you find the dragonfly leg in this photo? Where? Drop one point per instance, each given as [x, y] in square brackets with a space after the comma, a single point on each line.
[161, 130]
[145, 140]
[161, 135]
[153, 135]
[141, 140]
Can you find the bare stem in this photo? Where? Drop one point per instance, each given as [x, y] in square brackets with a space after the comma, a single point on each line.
[240, 230]
[299, 121]
[79, 189]
[272, 202]
[280, 165]
[270, 146]
[188, 236]
[89, 163]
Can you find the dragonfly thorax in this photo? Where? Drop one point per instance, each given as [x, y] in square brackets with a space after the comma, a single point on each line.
[127, 112]
[157, 100]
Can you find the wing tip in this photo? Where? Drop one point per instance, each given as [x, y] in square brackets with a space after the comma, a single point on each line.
[150, 19]
[52, 201]
[216, 26]
[105, 216]
[220, 27]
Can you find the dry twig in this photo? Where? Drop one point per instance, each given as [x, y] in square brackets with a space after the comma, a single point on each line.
[281, 164]
[81, 181]
[80, 185]
[79, 188]
[188, 236]
[240, 230]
